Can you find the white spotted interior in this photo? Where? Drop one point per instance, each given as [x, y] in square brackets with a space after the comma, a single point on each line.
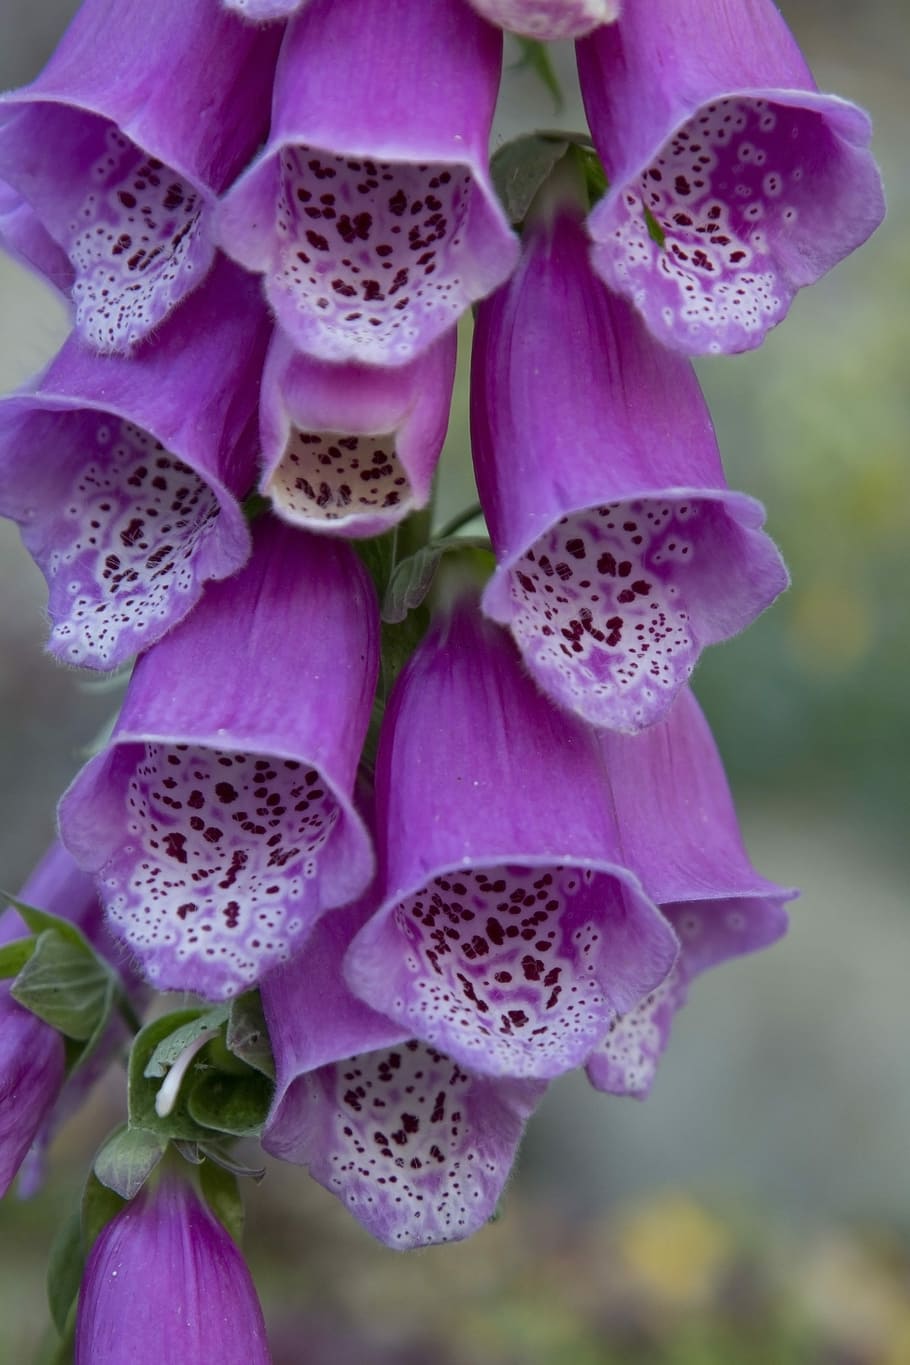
[136, 244]
[625, 1061]
[329, 476]
[547, 20]
[132, 525]
[210, 887]
[371, 248]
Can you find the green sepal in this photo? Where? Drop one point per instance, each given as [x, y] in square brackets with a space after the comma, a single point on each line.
[221, 1191]
[248, 1035]
[228, 1162]
[64, 1269]
[143, 1089]
[237, 1105]
[521, 166]
[127, 1159]
[99, 1205]
[39, 920]
[536, 57]
[172, 1046]
[14, 955]
[413, 577]
[66, 986]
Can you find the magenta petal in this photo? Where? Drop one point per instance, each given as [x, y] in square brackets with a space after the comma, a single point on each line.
[124, 473]
[32, 1064]
[143, 115]
[219, 818]
[23, 235]
[709, 122]
[166, 1283]
[263, 11]
[621, 550]
[370, 210]
[548, 20]
[349, 449]
[679, 833]
[510, 931]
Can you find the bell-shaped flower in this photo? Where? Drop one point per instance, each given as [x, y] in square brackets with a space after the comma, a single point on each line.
[124, 473]
[621, 550]
[416, 1147]
[352, 449]
[509, 933]
[679, 833]
[164, 1283]
[142, 117]
[219, 817]
[548, 20]
[732, 181]
[370, 210]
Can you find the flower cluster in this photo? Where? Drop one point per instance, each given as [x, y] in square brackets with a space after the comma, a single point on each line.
[448, 806]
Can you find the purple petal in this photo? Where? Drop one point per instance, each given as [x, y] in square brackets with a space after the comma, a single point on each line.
[165, 1277]
[548, 20]
[262, 11]
[352, 450]
[32, 1065]
[25, 238]
[124, 473]
[219, 819]
[124, 141]
[621, 551]
[710, 126]
[372, 216]
[509, 933]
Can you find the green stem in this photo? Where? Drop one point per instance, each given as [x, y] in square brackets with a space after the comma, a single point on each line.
[460, 519]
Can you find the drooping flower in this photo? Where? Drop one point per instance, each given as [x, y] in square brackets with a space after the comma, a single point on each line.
[621, 550]
[352, 449]
[124, 473]
[732, 181]
[24, 237]
[219, 817]
[509, 933]
[370, 210]
[548, 20]
[143, 115]
[678, 831]
[165, 1282]
[417, 1148]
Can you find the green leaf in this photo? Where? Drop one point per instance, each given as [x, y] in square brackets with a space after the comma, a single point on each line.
[143, 1089]
[39, 920]
[127, 1159]
[99, 1206]
[221, 1191]
[171, 1047]
[13, 956]
[64, 1270]
[520, 167]
[536, 57]
[410, 583]
[68, 988]
[237, 1105]
[248, 1035]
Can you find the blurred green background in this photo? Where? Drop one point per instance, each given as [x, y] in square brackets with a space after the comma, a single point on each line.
[757, 1207]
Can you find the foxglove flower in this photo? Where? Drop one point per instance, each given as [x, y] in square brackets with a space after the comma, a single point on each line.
[548, 20]
[219, 817]
[144, 114]
[165, 1282]
[679, 833]
[417, 1148]
[732, 181]
[621, 551]
[124, 472]
[370, 210]
[509, 933]
[28, 242]
[352, 449]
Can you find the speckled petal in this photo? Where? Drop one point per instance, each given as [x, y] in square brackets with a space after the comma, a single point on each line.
[219, 818]
[679, 833]
[621, 551]
[143, 115]
[165, 1277]
[352, 450]
[370, 211]
[510, 933]
[548, 20]
[124, 473]
[732, 181]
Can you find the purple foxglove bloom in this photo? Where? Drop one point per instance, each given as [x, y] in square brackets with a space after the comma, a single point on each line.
[370, 210]
[716, 141]
[510, 933]
[352, 449]
[219, 818]
[23, 236]
[548, 20]
[144, 114]
[166, 1283]
[679, 833]
[124, 472]
[417, 1148]
[621, 550]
